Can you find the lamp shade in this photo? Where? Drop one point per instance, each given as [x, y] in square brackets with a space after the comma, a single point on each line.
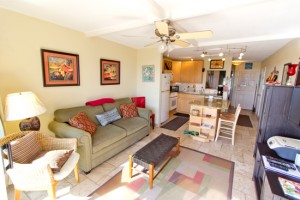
[23, 105]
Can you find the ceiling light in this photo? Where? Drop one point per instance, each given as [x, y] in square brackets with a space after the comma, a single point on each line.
[221, 54]
[209, 59]
[223, 59]
[241, 54]
[240, 57]
[162, 48]
[192, 59]
[202, 55]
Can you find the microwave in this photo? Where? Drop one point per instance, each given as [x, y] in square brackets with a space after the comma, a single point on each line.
[174, 88]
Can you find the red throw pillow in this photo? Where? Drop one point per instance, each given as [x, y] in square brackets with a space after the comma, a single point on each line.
[100, 102]
[82, 121]
[129, 110]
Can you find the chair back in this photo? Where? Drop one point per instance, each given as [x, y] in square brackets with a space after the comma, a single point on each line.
[237, 113]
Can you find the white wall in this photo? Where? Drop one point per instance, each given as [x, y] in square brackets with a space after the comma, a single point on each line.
[21, 39]
[151, 90]
[287, 54]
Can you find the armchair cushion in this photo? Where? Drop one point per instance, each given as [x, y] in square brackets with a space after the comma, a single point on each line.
[55, 158]
[129, 110]
[82, 121]
[25, 149]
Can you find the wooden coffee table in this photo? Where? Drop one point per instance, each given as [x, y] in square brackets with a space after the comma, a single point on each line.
[151, 155]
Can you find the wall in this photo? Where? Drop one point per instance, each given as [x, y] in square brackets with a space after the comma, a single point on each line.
[151, 90]
[22, 38]
[287, 54]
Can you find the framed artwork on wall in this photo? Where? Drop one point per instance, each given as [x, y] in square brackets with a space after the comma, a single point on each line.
[216, 64]
[60, 68]
[109, 72]
[284, 74]
[248, 65]
[148, 73]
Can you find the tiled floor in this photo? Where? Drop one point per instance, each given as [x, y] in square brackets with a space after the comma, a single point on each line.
[240, 153]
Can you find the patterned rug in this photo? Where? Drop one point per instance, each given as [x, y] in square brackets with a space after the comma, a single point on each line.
[182, 115]
[190, 175]
[175, 123]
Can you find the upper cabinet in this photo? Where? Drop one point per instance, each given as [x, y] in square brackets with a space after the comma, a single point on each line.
[187, 71]
[176, 70]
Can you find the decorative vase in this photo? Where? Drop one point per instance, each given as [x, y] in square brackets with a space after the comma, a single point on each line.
[292, 69]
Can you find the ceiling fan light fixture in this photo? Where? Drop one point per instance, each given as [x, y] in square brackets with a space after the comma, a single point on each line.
[162, 48]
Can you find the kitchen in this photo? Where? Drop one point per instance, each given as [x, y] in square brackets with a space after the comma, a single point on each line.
[185, 83]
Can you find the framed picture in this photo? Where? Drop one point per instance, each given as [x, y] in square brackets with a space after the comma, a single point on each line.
[148, 73]
[216, 64]
[60, 68]
[284, 73]
[109, 72]
[248, 65]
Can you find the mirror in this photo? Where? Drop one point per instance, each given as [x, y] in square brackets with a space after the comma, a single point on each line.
[215, 78]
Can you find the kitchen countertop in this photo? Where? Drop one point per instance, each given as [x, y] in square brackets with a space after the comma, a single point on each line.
[216, 103]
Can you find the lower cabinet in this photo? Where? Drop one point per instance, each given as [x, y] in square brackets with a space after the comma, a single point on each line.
[184, 100]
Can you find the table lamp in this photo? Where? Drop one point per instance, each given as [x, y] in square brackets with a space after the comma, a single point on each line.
[26, 106]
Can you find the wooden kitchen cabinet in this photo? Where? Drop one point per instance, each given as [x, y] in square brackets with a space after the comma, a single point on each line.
[176, 70]
[191, 71]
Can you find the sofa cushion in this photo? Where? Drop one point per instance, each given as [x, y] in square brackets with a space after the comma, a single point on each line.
[106, 135]
[131, 125]
[129, 110]
[118, 102]
[55, 158]
[108, 117]
[25, 149]
[63, 115]
[100, 102]
[82, 122]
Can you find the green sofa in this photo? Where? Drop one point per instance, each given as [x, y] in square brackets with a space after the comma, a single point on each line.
[108, 140]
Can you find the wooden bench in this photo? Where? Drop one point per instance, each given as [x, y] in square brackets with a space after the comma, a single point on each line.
[151, 155]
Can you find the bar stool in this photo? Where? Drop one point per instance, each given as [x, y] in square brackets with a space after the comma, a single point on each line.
[227, 123]
[141, 103]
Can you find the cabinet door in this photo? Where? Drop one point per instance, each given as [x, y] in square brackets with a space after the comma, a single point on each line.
[187, 72]
[294, 114]
[176, 68]
[198, 65]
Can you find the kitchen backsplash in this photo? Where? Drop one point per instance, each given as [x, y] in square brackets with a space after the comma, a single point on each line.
[189, 87]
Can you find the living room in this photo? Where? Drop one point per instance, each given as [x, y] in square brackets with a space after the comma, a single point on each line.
[23, 37]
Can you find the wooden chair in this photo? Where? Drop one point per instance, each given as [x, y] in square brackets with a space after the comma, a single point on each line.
[227, 123]
[39, 176]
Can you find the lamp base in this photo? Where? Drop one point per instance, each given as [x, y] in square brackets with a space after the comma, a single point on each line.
[30, 124]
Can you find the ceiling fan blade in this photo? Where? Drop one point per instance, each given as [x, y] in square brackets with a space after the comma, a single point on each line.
[181, 43]
[152, 43]
[162, 27]
[194, 35]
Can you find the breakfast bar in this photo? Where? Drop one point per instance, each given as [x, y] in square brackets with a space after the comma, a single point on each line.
[204, 115]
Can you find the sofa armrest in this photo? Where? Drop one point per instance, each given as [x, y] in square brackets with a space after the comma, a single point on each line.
[64, 130]
[84, 139]
[145, 113]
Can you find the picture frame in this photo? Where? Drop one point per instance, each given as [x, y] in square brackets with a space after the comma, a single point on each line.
[60, 68]
[284, 73]
[248, 66]
[216, 64]
[109, 72]
[148, 73]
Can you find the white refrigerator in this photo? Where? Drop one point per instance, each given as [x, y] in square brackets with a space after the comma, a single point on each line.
[165, 96]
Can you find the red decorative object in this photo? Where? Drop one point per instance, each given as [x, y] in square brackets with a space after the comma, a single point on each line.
[141, 103]
[100, 102]
[292, 69]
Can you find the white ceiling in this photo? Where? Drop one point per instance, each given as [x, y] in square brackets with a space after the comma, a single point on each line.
[262, 26]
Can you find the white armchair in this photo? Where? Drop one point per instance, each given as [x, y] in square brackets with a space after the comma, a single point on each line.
[39, 175]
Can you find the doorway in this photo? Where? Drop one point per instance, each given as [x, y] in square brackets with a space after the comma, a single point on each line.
[245, 89]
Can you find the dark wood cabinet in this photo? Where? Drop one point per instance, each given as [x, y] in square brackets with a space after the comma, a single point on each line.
[294, 115]
[274, 113]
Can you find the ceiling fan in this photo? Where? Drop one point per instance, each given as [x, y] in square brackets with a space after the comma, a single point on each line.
[169, 36]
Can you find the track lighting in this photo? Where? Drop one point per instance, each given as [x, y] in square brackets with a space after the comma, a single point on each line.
[209, 59]
[223, 59]
[202, 55]
[241, 54]
[221, 54]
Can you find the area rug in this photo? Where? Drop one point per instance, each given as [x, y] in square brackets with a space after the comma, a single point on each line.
[182, 115]
[175, 123]
[244, 120]
[190, 175]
